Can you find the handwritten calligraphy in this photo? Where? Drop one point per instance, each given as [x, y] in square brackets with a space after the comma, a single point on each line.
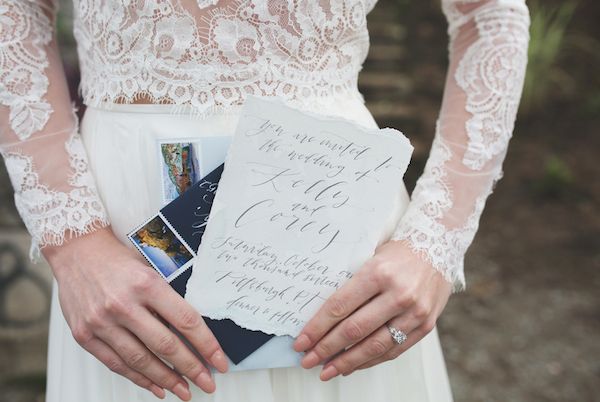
[302, 203]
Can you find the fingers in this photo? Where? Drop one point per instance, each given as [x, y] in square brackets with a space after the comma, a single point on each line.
[378, 345]
[355, 292]
[353, 329]
[181, 315]
[110, 359]
[417, 320]
[165, 344]
[414, 337]
[139, 358]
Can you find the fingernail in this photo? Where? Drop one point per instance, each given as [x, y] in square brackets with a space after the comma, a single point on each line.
[182, 392]
[157, 391]
[310, 360]
[328, 373]
[219, 361]
[302, 343]
[205, 382]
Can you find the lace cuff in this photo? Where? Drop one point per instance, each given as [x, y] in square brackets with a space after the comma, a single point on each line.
[488, 58]
[420, 226]
[49, 214]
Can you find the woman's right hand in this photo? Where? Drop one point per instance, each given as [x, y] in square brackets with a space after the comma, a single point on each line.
[111, 299]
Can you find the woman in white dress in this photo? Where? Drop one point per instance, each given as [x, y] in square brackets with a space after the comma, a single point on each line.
[146, 68]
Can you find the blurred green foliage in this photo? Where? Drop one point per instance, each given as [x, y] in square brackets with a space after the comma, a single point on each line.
[560, 56]
[64, 23]
[549, 36]
[556, 180]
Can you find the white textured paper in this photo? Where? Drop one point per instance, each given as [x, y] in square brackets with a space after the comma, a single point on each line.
[301, 205]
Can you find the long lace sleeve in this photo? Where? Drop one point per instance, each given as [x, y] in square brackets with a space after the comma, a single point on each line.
[488, 57]
[39, 141]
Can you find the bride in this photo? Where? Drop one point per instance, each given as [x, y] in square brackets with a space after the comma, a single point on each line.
[147, 67]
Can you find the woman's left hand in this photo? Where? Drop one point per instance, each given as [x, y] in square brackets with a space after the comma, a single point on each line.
[395, 286]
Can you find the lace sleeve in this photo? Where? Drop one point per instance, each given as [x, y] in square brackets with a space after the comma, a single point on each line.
[46, 162]
[488, 57]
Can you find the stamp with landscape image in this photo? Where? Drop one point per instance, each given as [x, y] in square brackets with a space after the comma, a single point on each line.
[179, 167]
[162, 246]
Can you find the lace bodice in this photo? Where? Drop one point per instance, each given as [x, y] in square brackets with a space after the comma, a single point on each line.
[210, 54]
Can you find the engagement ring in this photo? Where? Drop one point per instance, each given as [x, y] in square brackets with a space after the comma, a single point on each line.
[399, 336]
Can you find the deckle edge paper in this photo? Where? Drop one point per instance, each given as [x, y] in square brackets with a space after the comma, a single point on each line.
[264, 269]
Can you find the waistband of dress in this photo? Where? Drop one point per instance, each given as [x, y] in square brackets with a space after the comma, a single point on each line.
[318, 103]
[156, 108]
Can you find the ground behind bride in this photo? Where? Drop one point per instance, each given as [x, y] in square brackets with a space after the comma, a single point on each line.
[527, 328]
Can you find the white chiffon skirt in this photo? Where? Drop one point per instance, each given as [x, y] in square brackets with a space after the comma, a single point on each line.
[121, 142]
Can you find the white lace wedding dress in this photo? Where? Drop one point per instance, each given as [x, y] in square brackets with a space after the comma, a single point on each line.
[201, 58]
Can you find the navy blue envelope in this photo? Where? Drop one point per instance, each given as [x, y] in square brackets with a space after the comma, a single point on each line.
[188, 215]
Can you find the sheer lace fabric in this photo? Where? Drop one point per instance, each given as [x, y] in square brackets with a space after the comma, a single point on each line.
[488, 57]
[210, 54]
[54, 190]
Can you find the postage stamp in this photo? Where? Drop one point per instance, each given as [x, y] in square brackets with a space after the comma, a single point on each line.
[162, 247]
[184, 162]
[190, 170]
[179, 167]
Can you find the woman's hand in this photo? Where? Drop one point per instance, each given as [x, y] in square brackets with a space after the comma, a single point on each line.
[395, 286]
[114, 303]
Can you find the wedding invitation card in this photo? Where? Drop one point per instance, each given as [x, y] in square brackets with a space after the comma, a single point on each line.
[302, 203]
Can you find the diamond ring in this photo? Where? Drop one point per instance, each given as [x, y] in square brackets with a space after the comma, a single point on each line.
[399, 336]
